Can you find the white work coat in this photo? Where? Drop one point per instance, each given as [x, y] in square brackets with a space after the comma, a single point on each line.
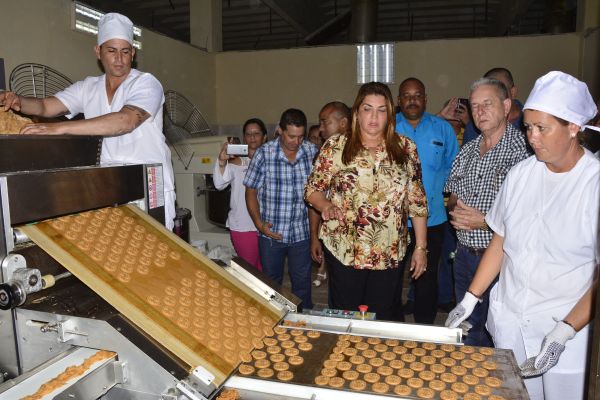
[144, 145]
[550, 255]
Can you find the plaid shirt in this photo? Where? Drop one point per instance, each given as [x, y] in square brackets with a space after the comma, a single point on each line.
[476, 180]
[280, 186]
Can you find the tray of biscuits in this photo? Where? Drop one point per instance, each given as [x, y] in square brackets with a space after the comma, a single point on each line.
[175, 294]
[399, 368]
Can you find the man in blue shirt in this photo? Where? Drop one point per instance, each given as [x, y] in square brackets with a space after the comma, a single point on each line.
[515, 116]
[275, 199]
[437, 146]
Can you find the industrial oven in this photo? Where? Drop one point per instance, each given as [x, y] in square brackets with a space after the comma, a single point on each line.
[100, 301]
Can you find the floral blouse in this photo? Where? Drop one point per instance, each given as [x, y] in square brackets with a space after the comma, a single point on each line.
[377, 198]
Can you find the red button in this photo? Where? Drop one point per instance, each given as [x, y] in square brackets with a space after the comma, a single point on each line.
[363, 308]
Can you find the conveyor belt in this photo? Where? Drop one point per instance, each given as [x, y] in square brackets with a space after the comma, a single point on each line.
[175, 294]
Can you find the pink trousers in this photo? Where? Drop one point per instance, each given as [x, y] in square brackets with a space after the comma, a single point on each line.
[246, 246]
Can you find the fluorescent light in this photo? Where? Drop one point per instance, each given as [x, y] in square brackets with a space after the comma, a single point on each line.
[375, 62]
[86, 20]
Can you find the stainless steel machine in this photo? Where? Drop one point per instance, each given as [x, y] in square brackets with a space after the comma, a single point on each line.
[52, 322]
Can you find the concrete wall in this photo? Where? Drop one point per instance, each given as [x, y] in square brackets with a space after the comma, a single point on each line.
[264, 83]
[233, 86]
[39, 31]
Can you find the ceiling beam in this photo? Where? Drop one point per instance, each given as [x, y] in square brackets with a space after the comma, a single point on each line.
[304, 16]
[507, 13]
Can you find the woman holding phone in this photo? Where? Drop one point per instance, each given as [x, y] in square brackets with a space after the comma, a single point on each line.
[231, 170]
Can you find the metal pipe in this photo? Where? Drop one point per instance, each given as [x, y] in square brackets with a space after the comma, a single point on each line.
[363, 26]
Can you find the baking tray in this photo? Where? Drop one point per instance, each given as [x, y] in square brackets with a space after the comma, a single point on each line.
[504, 368]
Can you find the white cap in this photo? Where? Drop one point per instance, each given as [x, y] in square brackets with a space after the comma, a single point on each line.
[114, 26]
[563, 96]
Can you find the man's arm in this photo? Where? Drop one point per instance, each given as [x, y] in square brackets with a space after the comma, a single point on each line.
[263, 227]
[111, 124]
[49, 107]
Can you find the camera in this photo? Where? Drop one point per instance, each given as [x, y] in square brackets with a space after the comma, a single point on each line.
[464, 102]
[237, 149]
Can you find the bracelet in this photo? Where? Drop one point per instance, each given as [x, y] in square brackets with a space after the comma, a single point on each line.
[568, 323]
[477, 297]
[422, 249]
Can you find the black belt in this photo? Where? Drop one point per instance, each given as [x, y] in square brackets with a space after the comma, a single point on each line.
[472, 251]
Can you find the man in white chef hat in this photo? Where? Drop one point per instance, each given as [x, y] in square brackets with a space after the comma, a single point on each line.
[124, 105]
[545, 246]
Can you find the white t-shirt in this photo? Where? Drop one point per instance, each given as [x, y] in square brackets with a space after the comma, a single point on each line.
[238, 219]
[550, 253]
[145, 144]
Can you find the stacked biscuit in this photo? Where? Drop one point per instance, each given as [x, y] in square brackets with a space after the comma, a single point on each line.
[68, 374]
[168, 279]
[11, 123]
[422, 370]
[280, 354]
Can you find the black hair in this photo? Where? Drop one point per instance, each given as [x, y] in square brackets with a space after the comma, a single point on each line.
[258, 122]
[292, 116]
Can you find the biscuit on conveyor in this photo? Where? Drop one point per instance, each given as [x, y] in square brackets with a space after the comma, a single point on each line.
[427, 375]
[278, 357]
[471, 396]
[329, 372]
[470, 380]
[406, 373]
[291, 352]
[397, 364]
[356, 360]
[438, 368]
[486, 351]
[285, 375]
[322, 380]
[295, 360]
[448, 377]
[414, 382]
[380, 387]
[393, 380]
[246, 369]
[493, 382]
[448, 395]
[336, 382]
[305, 346]
[343, 365]
[480, 372]
[402, 390]
[371, 377]
[437, 385]
[358, 384]
[489, 365]
[384, 370]
[376, 362]
[265, 373]
[483, 390]
[425, 393]
[350, 375]
[460, 387]
[364, 368]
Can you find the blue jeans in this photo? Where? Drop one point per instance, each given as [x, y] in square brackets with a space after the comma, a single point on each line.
[272, 257]
[465, 265]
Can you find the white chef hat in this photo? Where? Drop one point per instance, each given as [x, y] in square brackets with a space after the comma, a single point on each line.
[563, 96]
[115, 26]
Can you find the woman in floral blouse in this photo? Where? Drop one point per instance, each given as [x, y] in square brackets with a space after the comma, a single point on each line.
[366, 185]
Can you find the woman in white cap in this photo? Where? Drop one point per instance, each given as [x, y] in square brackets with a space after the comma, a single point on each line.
[545, 223]
[124, 105]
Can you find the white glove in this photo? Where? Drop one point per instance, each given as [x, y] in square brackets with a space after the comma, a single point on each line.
[462, 310]
[552, 347]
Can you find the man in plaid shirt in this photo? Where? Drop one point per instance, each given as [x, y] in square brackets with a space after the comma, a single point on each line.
[275, 199]
[476, 176]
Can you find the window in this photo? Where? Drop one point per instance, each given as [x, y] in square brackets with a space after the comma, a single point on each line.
[85, 19]
[375, 62]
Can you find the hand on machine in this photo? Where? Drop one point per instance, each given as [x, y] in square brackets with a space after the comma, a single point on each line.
[552, 347]
[463, 310]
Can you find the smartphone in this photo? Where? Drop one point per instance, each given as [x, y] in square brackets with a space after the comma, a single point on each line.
[237, 149]
[464, 102]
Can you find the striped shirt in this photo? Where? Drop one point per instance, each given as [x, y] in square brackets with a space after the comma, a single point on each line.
[476, 180]
[280, 187]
